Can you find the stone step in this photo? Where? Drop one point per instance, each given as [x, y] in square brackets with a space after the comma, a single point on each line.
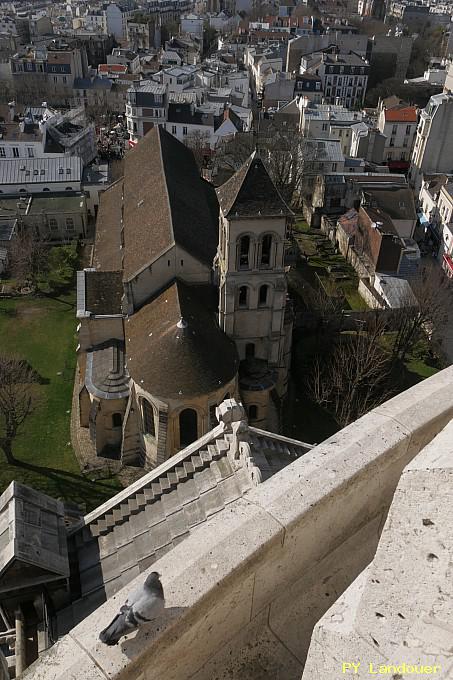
[148, 493]
[181, 473]
[205, 456]
[172, 478]
[165, 485]
[214, 451]
[133, 506]
[141, 499]
[188, 467]
[197, 462]
[156, 489]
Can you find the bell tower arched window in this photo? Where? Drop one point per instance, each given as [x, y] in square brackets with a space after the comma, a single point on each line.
[266, 251]
[244, 253]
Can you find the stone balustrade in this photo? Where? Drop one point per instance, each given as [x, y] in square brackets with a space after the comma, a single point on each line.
[244, 591]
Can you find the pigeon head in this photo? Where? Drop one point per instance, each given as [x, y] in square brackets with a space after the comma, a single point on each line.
[153, 581]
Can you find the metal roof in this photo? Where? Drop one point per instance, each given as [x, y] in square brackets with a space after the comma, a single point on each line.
[40, 170]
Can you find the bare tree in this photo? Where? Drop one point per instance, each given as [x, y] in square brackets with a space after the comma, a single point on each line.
[353, 379]
[198, 142]
[16, 400]
[28, 257]
[425, 311]
[285, 152]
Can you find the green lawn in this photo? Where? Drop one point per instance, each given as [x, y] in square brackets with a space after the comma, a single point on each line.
[42, 331]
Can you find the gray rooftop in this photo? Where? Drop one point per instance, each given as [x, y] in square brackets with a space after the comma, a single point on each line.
[40, 170]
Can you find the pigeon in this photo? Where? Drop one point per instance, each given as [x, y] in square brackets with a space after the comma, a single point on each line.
[142, 606]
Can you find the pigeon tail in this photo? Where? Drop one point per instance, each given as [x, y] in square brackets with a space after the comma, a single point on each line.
[115, 630]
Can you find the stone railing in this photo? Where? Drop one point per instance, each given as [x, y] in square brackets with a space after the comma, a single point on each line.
[244, 591]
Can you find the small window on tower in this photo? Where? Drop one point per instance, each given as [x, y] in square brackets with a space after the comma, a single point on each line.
[243, 296]
[262, 300]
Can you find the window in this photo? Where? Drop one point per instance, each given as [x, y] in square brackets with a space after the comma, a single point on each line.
[53, 224]
[173, 129]
[253, 412]
[15, 152]
[148, 418]
[117, 420]
[408, 129]
[212, 416]
[405, 142]
[30, 152]
[324, 127]
[249, 350]
[69, 224]
[266, 248]
[262, 298]
[2, 152]
[188, 427]
[68, 188]
[334, 167]
[244, 248]
[184, 130]
[243, 296]
[394, 129]
[392, 141]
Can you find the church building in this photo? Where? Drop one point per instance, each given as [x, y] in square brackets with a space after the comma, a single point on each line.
[184, 304]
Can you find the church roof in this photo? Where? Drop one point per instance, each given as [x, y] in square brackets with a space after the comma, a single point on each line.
[173, 343]
[161, 200]
[103, 292]
[251, 192]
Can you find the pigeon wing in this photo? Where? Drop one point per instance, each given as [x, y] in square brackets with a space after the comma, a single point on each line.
[148, 606]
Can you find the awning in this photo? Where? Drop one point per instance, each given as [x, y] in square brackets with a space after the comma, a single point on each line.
[398, 165]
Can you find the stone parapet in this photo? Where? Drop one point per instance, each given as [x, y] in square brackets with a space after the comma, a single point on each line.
[245, 590]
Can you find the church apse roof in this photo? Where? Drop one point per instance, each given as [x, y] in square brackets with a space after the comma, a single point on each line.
[250, 192]
[175, 347]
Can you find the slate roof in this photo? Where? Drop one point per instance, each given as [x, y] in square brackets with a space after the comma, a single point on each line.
[174, 358]
[251, 192]
[165, 202]
[103, 292]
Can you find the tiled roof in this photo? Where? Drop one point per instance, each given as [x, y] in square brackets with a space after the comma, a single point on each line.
[103, 292]
[174, 358]
[165, 202]
[251, 192]
[107, 244]
[404, 115]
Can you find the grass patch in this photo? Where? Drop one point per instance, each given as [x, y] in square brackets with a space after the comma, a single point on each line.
[42, 331]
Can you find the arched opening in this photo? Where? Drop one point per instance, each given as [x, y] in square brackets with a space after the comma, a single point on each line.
[148, 418]
[262, 298]
[249, 350]
[212, 416]
[117, 420]
[253, 412]
[243, 296]
[266, 249]
[227, 396]
[188, 427]
[244, 249]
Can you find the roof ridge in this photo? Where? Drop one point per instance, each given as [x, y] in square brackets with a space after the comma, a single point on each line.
[161, 157]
